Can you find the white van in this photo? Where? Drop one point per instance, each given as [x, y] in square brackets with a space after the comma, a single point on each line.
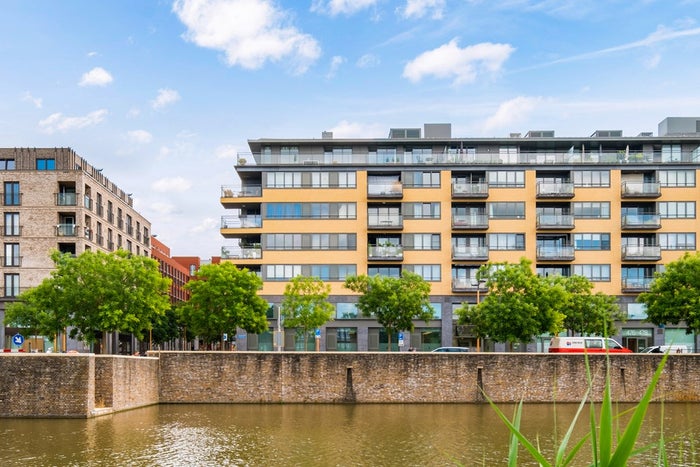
[666, 348]
[586, 344]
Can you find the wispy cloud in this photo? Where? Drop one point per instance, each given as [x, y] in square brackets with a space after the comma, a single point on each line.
[98, 76]
[449, 61]
[36, 101]
[512, 111]
[61, 123]
[139, 136]
[227, 151]
[249, 32]
[368, 61]
[340, 7]
[169, 185]
[336, 62]
[421, 8]
[165, 97]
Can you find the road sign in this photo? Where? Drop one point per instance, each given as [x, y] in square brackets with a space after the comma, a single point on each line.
[318, 333]
[400, 339]
[18, 339]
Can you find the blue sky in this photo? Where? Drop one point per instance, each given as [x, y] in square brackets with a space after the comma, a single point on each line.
[163, 94]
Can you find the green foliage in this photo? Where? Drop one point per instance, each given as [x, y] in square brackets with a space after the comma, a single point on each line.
[305, 304]
[394, 302]
[587, 313]
[674, 295]
[96, 291]
[519, 304]
[224, 298]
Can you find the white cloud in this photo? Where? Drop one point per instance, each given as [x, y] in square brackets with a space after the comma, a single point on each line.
[249, 32]
[652, 61]
[133, 112]
[345, 129]
[340, 7]
[139, 136]
[449, 61]
[368, 61]
[227, 151]
[336, 63]
[162, 209]
[165, 97]
[169, 185]
[59, 122]
[512, 111]
[208, 224]
[96, 77]
[420, 8]
[37, 101]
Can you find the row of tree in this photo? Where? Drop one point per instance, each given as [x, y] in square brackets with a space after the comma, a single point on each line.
[97, 293]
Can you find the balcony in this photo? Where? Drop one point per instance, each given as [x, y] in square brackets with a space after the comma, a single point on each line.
[555, 253]
[555, 189]
[385, 252]
[247, 191]
[470, 190]
[641, 221]
[66, 199]
[385, 190]
[641, 253]
[555, 221]
[640, 190]
[470, 221]
[66, 230]
[241, 222]
[390, 222]
[468, 285]
[642, 284]
[474, 253]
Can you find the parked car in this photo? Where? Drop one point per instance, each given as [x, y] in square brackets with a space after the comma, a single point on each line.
[666, 348]
[451, 349]
[586, 344]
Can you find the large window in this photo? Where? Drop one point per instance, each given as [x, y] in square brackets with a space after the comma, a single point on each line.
[7, 164]
[506, 210]
[421, 241]
[429, 272]
[11, 228]
[598, 210]
[672, 178]
[11, 257]
[592, 241]
[46, 164]
[298, 241]
[310, 211]
[506, 241]
[326, 272]
[11, 196]
[593, 272]
[346, 311]
[310, 179]
[384, 271]
[11, 285]
[677, 241]
[421, 210]
[591, 178]
[346, 339]
[506, 178]
[671, 153]
[422, 179]
[677, 210]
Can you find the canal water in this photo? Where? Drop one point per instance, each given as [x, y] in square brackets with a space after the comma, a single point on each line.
[322, 435]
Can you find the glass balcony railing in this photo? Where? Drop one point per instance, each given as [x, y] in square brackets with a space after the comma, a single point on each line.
[555, 221]
[480, 253]
[470, 221]
[247, 191]
[66, 230]
[555, 189]
[641, 221]
[66, 199]
[461, 284]
[640, 190]
[241, 222]
[641, 252]
[385, 252]
[555, 253]
[637, 284]
[385, 222]
[470, 190]
[385, 190]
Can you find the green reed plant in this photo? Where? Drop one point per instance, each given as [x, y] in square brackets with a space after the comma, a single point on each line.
[602, 435]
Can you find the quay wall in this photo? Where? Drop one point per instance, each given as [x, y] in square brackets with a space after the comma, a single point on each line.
[88, 385]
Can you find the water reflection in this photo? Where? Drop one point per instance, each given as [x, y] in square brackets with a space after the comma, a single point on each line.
[316, 435]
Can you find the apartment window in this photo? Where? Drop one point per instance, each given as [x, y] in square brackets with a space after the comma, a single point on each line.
[506, 210]
[327, 272]
[677, 210]
[11, 224]
[506, 241]
[677, 241]
[129, 225]
[677, 178]
[508, 154]
[46, 164]
[346, 311]
[7, 164]
[384, 271]
[382, 156]
[593, 272]
[12, 195]
[422, 179]
[671, 153]
[506, 178]
[421, 241]
[592, 241]
[110, 212]
[310, 211]
[11, 285]
[12, 257]
[591, 178]
[592, 210]
[129, 247]
[429, 272]
[421, 210]
[283, 180]
[98, 234]
[99, 207]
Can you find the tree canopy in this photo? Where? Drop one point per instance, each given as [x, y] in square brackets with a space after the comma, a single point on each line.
[224, 298]
[305, 304]
[95, 291]
[587, 313]
[674, 295]
[394, 302]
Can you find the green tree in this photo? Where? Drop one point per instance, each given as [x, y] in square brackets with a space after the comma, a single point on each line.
[305, 304]
[674, 295]
[224, 298]
[96, 291]
[587, 313]
[394, 302]
[519, 305]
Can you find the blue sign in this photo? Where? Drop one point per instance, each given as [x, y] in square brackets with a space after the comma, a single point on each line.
[400, 336]
[18, 339]
[318, 333]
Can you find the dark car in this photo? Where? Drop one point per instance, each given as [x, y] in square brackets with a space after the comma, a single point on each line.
[451, 349]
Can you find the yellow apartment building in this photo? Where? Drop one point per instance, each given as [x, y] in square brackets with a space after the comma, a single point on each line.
[612, 208]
